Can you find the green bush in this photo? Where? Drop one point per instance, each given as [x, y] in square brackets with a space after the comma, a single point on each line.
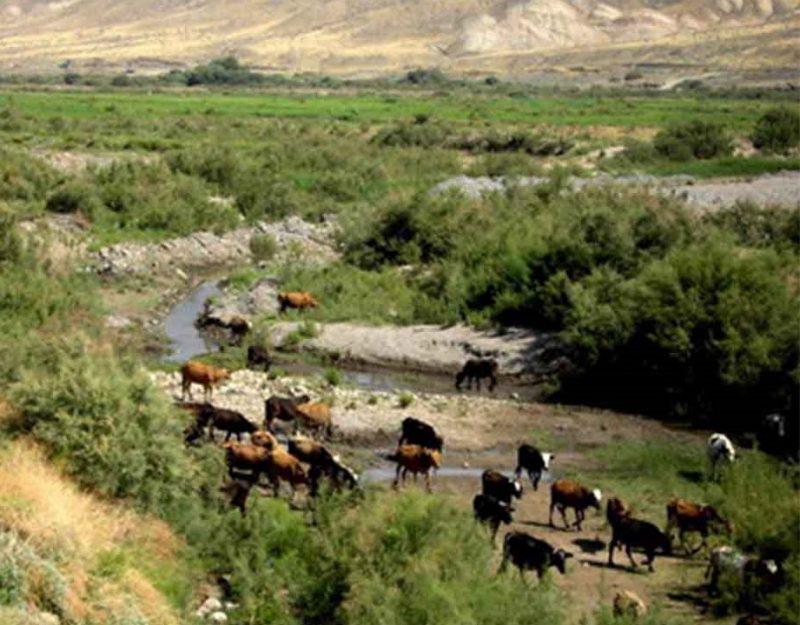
[695, 139]
[263, 247]
[73, 198]
[23, 177]
[777, 130]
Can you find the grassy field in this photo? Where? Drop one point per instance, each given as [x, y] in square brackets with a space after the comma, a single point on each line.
[580, 110]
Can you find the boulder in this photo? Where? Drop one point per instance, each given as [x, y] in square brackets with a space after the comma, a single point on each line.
[629, 604]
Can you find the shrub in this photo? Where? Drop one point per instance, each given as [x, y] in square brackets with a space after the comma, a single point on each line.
[73, 198]
[405, 399]
[263, 247]
[333, 376]
[777, 130]
[696, 139]
[72, 78]
[23, 177]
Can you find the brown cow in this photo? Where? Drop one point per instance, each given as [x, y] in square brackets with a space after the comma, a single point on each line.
[314, 416]
[567, 493]
[416, 459]
[281, 465]
[299, 300]
[208, 376]
[688, 516]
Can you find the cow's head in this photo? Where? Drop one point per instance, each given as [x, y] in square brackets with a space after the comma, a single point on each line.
[546, 458]
[517, 489]
[597, 497]
[560, 558]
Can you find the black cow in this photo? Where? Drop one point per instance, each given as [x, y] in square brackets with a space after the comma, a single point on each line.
[258, 356]
[283, 408]
[489, 510]
[416, 432]
[534, 462]
[529, 553]
[229, 421]
[497, 485]
[475, 369]
[630, 533]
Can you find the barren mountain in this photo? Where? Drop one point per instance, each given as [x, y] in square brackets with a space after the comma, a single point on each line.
[379, 36]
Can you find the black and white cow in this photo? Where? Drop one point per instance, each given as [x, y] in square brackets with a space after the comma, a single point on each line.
[491, 511]
[720, 449]
[534, 462]
[497, 485]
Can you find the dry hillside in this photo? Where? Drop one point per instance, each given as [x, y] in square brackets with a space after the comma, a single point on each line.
[358, 37]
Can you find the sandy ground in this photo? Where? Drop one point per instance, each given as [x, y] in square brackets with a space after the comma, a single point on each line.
[483, 432]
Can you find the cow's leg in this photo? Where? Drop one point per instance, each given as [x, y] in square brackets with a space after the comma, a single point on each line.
[630, 555]
[534, 477]
[397, 477]
[492, 383]
[478, 383]
[611, 546]
[428, 481]
[651, 555]
[186, 387]
[495, 525]
[552, 505]
[563, 511]
[211, 431]
[228, 436]
[579, 516]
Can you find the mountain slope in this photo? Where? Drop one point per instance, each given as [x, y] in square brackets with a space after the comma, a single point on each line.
[372, 36]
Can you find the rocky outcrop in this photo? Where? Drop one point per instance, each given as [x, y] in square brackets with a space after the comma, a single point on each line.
[295, 238]
[430, 348]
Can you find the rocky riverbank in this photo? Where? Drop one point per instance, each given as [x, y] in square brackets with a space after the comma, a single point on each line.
[294, 237]
[429, 348]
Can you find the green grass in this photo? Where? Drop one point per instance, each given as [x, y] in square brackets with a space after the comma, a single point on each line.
[581, 110]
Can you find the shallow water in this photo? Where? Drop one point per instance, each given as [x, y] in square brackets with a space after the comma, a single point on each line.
[185, 338]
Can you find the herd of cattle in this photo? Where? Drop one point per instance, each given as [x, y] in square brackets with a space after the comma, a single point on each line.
[304, 461]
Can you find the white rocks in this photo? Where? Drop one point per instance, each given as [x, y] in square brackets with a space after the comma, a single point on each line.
[205, 248]
[116, 322]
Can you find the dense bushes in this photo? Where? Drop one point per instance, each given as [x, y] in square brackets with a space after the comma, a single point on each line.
[24, 178]
[658, 309]
[777, 130]
[694, 139]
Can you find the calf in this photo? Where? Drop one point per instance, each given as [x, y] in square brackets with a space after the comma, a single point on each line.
[416, 432]
[692, 517]
[314, 416]
[258, 356]
[283, 408]
[529, 553]
[567, 493]
[728, 560]
[415, 459]
[208, 376]
[299, 300]
[534, 462]
[719, 450]
[489, 510]
[229, 421]
[630, 533]
[475, 369]
[497, 485]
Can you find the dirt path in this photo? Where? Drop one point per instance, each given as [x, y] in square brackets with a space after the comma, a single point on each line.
[482, 432]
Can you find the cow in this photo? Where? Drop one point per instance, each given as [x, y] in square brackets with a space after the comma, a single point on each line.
[299, 300]
[238, 490]
[728, 560]
[567, 493]
[280, 465]
[489, 510]
[416, 459]
[534, 462]
[282, 408]
[208, 376]
[314, 416]
[630, 533]
[229, 421]
[475, 369]
[529, 553]
[322, 463]
[258, 356]
[416, 432]
[497, 485]
[692, 517]
[719, 449]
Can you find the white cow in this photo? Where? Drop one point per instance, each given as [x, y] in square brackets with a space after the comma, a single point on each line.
[720, 449]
